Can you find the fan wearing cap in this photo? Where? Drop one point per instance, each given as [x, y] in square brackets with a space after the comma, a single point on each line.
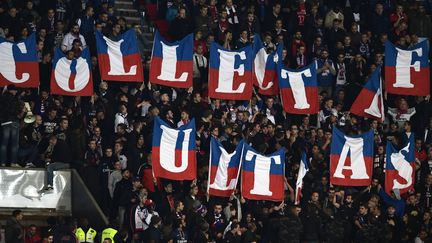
[11, 111]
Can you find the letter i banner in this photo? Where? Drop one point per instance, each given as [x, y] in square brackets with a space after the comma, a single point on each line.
[400, 167]
[119, 60]
[230, 73]
[351, 159]
[263, 177]
[224, 169]
[299, 89]
[171, 63]
[19, 63]
[407, 71]
[72, 77]
[174, 151]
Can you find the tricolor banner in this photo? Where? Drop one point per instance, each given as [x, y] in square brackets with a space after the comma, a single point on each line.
[263, 176]
[407, 71]
[119, 60]
[400, 167]
[72, 76]
[370, 103]
[299, 89]
[174, 151]
[304, 168]
[265, 68]
[224, 169]
[19, 63]
[171, 62]
[230, 73]
[351, 159]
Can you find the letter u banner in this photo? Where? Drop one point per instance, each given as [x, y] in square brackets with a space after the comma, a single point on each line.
[173, 151]
[351, 159]
[119, 60]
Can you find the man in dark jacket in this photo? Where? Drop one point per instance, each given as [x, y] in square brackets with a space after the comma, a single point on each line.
[57, 157]
[14, 232]
[180, 26]
[10, 111]
[122, 195]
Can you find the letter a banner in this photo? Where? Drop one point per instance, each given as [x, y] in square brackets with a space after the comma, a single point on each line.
[119, 60]
[173, 151]
[407, 71]
[19, 63]
[230, 73]
[263, 177]
[299, 89]
[351, 159]
[400, 167]
[224, 169]
[72, 77]
[171, 63]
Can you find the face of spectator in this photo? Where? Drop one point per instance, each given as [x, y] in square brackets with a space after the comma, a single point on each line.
[426, 216]
[53, 141]
[29, 5]
[118, 148]
[126, 174]
[250, 17]
[64, 125]
[217, 209]
[301, 50]
[50, 239]
[347, 41]
[75, 30]
[116, 29]
[399, 9]
[278, 24]
[418, 144]
[362, 210]
[324, 55]
[92, 145]
[204, 11]
[277, 9]
[269, 102]
[51, 13]
[117, 165]
[403, 105]
[182, 13]
[315, 197]
[215, 132]
[90, 12]
[244, 35]
[379, 9]
[13, 12]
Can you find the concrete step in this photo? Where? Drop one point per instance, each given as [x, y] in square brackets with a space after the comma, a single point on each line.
[125, 2]
[132, 19]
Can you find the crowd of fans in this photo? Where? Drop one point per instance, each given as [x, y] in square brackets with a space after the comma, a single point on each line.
[107, 137]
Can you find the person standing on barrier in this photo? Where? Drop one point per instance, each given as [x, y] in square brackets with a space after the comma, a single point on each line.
[57, 157]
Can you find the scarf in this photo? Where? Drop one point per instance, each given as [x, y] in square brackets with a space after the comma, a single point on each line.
[232, 15]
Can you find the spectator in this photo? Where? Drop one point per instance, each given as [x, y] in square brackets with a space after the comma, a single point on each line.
[179, 27]
[14, 231]
[69, 38]
[57, 157]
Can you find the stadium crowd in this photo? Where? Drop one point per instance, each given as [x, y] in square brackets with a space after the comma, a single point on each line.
[107, 137]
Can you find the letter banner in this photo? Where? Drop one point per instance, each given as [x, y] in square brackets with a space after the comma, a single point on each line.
[19, 63]
[224, 169]
[299, 89]
[369, 103]
[171, 62]
[304, 168]
[265, 68]
[263, 176]
[72, 77]
[407, 72]
[400, 167]
[119, 60]
[230, 73]
[174, 151]
[351, 159]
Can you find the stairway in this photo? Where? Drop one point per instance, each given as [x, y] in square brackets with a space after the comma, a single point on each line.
[133, 15]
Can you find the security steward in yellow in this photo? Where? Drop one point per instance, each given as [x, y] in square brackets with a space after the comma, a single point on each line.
[84, 233]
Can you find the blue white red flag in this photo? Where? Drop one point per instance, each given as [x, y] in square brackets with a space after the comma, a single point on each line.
[351, 158]
[407, 71]
[119, 60]
[72, 77]
[171, 62]
[174, 151]
[224, 169]
[263, 176]
[230, 73]
[299, 89]
[265, 68]
[19, 63]
[400, 167]
[370, 103]
[304, 168]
